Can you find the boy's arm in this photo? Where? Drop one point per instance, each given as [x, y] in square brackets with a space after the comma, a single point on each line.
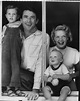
[3, 30]
[63, 76]
[45, 78]
[64, 73]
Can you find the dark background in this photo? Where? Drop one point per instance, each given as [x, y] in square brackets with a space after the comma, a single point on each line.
[56, 13]
[21, 5]
[64, 13]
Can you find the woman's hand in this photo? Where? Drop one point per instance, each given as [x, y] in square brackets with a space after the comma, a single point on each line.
[70, 77]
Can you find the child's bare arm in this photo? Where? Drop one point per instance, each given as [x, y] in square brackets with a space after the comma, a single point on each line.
[47, 79]
[61, 76]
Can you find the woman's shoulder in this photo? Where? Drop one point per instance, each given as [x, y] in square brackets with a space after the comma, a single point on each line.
[72, 49]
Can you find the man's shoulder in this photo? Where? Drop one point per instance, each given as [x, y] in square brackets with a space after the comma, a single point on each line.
[38, 32]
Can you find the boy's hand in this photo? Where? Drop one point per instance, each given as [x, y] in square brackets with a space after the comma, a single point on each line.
[49, 79]
[55, 76]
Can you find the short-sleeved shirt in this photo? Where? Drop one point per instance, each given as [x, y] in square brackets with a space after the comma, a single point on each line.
[61, 70]
[70, 56]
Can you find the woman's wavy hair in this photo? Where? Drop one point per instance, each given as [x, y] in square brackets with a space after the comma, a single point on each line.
[64, 28]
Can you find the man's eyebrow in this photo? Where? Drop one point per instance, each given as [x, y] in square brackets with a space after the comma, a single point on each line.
[25, 15]
[30, 16]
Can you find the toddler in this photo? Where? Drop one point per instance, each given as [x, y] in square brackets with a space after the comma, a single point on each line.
[11, 50]
[56, 77]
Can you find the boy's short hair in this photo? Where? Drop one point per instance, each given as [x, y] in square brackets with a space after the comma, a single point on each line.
[12, 7]
[55, 50]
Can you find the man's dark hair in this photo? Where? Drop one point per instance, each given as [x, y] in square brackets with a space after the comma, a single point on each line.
[32, 10]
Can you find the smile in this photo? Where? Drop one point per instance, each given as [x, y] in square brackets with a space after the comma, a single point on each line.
[61, 43]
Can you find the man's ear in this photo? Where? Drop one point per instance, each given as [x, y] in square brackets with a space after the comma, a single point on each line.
[5, 15]
[18, 17]
[37, 21]
[21, 20]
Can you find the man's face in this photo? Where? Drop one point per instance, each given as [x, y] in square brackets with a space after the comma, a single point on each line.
[11, 15]
[28, 20]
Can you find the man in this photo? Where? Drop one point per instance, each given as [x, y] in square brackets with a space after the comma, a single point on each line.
[31, 54]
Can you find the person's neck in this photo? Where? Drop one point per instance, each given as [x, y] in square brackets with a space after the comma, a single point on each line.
[56, 65]
[12, 22]
[29, 32]
[62, 49]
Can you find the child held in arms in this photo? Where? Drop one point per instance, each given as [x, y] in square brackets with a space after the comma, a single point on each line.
[56, 77]
[11, 50]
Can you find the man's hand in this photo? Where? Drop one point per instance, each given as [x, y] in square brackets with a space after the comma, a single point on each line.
[31, 96]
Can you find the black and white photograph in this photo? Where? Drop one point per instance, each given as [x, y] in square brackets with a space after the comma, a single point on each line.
[40, 50]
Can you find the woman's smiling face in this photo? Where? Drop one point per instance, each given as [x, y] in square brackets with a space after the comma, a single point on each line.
[60, 39]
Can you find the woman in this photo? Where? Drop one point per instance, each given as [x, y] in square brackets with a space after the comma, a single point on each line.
[61, 35]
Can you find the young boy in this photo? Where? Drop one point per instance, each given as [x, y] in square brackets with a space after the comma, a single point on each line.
[56, 77]
[11, 50]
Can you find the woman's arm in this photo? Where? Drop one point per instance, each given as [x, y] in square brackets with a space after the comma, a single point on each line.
[76, 73]
[77, 70]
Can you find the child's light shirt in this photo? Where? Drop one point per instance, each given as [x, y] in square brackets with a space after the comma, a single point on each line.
[70, 57]
[12, 25]
[61, 70]
[32, 55]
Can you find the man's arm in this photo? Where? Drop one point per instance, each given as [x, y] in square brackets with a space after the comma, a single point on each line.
[47, 50]
[37, 82]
